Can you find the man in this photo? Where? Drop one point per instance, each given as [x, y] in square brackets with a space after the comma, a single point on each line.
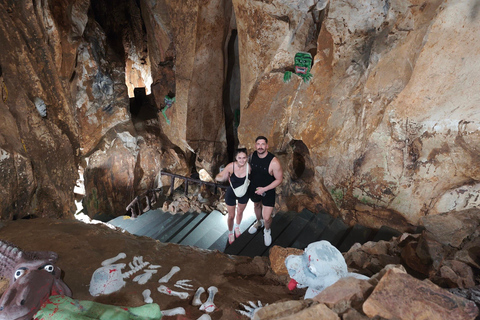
[266, 175]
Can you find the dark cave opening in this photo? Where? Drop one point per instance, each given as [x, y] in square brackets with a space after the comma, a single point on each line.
[231, 94]
[142, 106]
[301, 166]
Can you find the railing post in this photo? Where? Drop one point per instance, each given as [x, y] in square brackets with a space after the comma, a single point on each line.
[171, 187]
[186, 187]
[149, 204]
[140, 208]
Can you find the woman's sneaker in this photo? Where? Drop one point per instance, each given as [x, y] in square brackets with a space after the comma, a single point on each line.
[237, 231]
[254, 228]
[231, 237]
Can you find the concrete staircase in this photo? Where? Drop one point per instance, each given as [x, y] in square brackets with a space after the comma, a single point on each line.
[209, 231]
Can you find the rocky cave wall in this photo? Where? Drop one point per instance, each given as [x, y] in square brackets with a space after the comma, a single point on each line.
[386, 131]
[389, 124]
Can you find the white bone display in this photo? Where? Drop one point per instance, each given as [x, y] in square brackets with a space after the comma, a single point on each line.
[170, 292]
[169, 275]
[146, 296]
[111, 261]
[173, 312]
[143, 278]
[251, 309]
[182, 284]
[209, 306]
[196, 298]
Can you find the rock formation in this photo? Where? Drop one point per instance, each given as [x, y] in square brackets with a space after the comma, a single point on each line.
[385, 133]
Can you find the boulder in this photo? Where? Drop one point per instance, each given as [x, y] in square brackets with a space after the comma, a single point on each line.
[344, 294]
[401, 296]
[454, 227]
[277, 258]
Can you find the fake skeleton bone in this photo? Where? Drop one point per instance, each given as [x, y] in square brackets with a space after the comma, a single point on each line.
[196, 298]
[169, 275]
[173, 312]
[170, 292]
[135, 266]
[143, 278]
[146, 296]
[252, 309]
[109, 278]
[182, 284]
[205, 317]
[209, 306]
[111, 261]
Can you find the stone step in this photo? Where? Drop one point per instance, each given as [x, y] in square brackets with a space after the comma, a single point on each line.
[185, 231]
[335, 232]
[153, 228]
[356, 234]
[257, 245]
[209, 229]
[294, 229]
[312, 230]
[169, 233]
[167, 224]
[222, 242]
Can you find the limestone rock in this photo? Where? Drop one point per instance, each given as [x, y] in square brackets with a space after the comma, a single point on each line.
[317, 311]
[456, 274]
[371, 257]
[282, 309]
[109, 177]
[344, 294]
[452, 228]
[352, 314]
[401, 296]
[100, 94]
[277, 257]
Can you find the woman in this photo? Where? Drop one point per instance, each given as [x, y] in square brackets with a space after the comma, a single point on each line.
[237, 173]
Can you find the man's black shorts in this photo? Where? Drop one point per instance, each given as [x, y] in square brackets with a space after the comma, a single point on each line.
[268, 200]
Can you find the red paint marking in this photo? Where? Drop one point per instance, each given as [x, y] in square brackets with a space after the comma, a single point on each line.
[112, 270]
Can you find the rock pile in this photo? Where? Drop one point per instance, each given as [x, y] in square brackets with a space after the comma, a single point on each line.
[199, 199]
[434, 274]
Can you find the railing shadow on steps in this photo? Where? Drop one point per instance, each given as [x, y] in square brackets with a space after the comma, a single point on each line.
[151, 197]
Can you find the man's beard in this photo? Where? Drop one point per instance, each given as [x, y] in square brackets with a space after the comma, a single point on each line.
[261, 151]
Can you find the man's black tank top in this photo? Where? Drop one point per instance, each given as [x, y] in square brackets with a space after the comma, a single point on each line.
[260, 176]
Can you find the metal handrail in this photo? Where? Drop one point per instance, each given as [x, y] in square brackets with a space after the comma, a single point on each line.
[137, 203]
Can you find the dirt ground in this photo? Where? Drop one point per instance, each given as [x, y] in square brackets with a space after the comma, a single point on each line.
[82, 248]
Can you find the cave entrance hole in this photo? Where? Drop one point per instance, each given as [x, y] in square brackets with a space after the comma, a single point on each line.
[301, 166]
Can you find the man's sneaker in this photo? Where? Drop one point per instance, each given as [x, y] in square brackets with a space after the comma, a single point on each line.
[254, 228]
[231, 237]
[237, 231]
[267, 237]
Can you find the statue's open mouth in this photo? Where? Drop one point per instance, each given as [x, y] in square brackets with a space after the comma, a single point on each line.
[302, 70]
